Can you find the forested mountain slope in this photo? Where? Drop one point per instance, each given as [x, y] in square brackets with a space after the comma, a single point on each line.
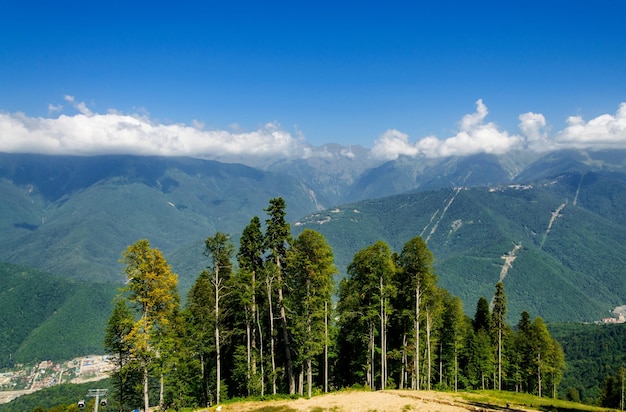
[49, 317]
[593, 353]
[73, 216]
[558, 244]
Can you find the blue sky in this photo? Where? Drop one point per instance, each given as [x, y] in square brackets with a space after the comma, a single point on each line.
[277, 74]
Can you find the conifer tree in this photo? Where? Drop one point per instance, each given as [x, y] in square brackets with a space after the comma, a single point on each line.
[452, 327]
[353, 314]
[544, 351]
[371, 271]
[417, 281]
[498, 323]
[220, 250]
[117, 346]
[482, 317]
[277, 238]
[524, 352]
[481, 354]
[311, 269]
[250, 259]
[201, 329]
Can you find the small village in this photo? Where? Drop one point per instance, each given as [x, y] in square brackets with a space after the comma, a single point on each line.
[27, 379]
[619, 316]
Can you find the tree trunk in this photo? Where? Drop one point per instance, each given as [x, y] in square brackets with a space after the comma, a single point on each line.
[539, 372]
[252, 331]
[217, 334]
[440, 362]
[456, 369]
[248, 356]
[283, 323]
[326, 347]
[161, 393]
[428, 348]
[272, 351]
[309, 376]
[403, 370]
[146, 400]
[261, 359]
[499, 358]
[416, 327]
[370, 357]
[205, 384]
[383, 355]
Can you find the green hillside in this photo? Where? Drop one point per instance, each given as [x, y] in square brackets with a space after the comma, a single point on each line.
[575, 271]
[592, 353]
[73, 216]
[49, 317]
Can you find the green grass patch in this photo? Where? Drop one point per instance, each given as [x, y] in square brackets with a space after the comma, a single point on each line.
[513, 399]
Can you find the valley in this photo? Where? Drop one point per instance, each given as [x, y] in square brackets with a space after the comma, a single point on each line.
[26, 379]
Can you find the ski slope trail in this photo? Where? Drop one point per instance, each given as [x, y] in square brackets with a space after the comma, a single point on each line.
[509, 258]
[578, 190]
[443, 213]
[555, 214]
[429, 222]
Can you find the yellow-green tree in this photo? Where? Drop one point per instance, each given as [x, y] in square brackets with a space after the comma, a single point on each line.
[153, 293]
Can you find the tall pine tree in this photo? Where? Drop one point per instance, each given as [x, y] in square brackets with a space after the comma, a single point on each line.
[498, 323]
[311, 269]
[219, 249]
[277, 238]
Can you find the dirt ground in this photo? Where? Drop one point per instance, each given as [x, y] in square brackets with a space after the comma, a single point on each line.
[357, 401]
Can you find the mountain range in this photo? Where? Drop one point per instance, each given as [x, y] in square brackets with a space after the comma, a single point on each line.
[551, 225]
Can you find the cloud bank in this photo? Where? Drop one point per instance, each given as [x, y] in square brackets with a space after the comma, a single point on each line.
[89, 133]
[477, 136]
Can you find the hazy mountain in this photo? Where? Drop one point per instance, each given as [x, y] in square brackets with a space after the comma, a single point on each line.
[409, 174]
[331, 171]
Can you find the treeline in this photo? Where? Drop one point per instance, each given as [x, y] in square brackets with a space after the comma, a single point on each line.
[399, 329]
[267, 325]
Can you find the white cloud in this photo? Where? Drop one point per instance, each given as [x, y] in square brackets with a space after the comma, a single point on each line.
[348, 153]
[80, 106]
[474, 136]
[533, 127]
[477, 136]
[88, 133]
[603, 132]
[52, 108]
[392, 144]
